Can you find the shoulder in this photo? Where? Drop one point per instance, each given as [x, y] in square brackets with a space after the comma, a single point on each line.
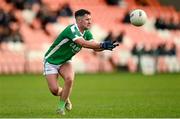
[88, 35]
[88, 31]
[71, 32]
[72, 28]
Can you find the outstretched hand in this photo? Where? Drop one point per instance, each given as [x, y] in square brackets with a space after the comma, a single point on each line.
[108, 45]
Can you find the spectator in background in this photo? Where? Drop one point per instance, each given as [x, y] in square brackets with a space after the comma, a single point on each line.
[120, 37]
[14, 35]
[166, 49]
[172, 25]
[148, 50]
[4, 32]
[36, 24]
[19, 4]
[46, 16]
[170, 49]
[109, 37]
[65, 11]
[4, 18]
[4, 35]
[113, 2]
[126, 18]
[142, 2]
[134, 50]
[137, 49]
[160, 24]
[30, 12]
[160, 49]
[169, 24]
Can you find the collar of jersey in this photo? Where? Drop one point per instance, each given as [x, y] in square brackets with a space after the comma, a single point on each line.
[79, 30]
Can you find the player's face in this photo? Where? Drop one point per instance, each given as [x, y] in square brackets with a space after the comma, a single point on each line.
[86, 21]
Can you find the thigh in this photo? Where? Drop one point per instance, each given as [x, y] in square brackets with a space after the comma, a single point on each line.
[66, 71]
[52, 80]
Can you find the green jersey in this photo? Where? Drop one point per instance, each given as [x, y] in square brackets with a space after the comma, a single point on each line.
[64, 47]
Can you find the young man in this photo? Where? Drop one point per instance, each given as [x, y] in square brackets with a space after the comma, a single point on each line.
[58, 57]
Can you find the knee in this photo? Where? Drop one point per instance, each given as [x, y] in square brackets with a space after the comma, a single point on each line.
[69, 80]
[54, 91]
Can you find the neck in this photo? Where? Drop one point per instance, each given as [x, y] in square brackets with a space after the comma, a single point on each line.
[81, 29]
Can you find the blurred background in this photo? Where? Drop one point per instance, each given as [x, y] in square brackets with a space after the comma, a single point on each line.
[28, 28]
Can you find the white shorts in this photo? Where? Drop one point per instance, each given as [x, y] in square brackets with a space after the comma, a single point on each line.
[51, 68]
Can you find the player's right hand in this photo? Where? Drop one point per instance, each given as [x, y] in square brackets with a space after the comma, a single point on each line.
[108, 45]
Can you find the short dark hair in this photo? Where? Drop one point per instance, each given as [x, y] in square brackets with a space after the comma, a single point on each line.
[81, 12]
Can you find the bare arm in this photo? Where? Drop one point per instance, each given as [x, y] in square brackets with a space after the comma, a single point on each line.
[97, 50]
[88, 44]
[107, 45]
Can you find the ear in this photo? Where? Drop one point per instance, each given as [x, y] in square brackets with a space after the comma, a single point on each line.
[78, 20]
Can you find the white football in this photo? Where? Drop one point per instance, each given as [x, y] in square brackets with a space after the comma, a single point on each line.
[138, 17]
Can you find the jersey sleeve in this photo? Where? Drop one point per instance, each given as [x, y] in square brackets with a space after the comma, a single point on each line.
[73, 33]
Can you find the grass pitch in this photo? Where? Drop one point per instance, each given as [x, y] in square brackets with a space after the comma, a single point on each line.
[94, 95]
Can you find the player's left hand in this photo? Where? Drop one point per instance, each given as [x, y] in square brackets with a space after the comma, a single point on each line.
[108, 45]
